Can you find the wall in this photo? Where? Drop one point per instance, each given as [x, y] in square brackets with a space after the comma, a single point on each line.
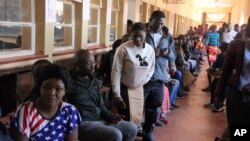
[241, 11]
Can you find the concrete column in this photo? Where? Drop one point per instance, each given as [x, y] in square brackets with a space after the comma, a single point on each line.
[134, 10]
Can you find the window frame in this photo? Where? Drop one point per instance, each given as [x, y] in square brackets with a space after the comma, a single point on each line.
[115, 26]
[98, 8]
[31, 24]
[72, 25]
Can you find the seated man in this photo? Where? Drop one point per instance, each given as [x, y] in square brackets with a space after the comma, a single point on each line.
[214, 75]
[214, 71]
[98, 124]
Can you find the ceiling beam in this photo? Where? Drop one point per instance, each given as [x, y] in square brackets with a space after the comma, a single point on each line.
[217, 10]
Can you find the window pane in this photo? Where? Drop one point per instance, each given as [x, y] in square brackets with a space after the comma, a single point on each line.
[92, 35]
[115, 4]
[95, 2]
[15, 37]
[112, 34]
[63, 13]
[63, 36]
[113, 18]
[15, 10]
[94, 17]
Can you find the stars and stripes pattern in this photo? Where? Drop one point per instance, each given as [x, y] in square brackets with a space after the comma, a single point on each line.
[32, 124]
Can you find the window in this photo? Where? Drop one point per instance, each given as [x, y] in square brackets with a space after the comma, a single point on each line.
[17, 30]
[94, 22]
[114, 21]
[93, 29]
[64, 27]
[141, 12]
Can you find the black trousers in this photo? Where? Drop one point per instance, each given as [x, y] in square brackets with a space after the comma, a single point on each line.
[238, 112]
[124, 95]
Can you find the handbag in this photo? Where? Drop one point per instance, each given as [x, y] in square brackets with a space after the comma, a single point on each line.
[188, 79]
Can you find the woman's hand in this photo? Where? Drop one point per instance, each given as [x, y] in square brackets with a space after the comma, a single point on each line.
[120, 103]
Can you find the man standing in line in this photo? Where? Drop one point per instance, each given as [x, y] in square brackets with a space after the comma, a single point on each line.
[164, 61]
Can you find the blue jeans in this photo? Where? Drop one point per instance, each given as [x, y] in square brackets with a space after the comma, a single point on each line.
[173, 90]
[153, 98]
[101, 131]
[179, 76]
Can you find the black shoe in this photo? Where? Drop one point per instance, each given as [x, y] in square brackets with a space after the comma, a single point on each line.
[207, 89]
[215, 110]
[148, 136]
[209, 105]
[180, 96]
[140, 132]
[159, 123]
[175, 106]
[217, 139]
[172, 108]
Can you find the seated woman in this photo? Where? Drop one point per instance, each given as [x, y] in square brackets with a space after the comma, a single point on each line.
[6, 120]
[47, 117]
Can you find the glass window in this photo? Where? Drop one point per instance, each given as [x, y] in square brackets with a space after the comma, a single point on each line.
[115, 5]
[93, 29]
[113, 26]
[96, 3]
[141, 12]
[16, 27]
[114, 21]
[64, 29]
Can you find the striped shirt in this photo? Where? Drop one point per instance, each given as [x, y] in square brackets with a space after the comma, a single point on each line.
[213, 38]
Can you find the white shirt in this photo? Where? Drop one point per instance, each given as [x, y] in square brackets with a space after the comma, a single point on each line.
[157, 37]
[228, 36]
[133, 66]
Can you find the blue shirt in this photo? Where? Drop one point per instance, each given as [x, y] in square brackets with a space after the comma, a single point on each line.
[245, 73]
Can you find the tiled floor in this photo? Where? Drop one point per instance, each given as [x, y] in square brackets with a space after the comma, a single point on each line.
[192, 122]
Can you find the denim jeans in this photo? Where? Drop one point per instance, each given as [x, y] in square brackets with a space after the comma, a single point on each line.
[101, 131]
[153, 98]
[173, 90]
[179, 76]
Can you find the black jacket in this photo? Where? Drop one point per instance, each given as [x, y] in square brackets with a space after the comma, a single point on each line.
[85, 95]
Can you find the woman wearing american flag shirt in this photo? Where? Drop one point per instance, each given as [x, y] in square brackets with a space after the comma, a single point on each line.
[47, 118]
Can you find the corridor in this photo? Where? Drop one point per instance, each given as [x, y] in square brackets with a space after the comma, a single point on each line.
[192, 122]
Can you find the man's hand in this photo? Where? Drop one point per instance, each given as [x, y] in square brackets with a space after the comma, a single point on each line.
[120, 103]
[172, 72]
[157, 51]
[117, 118]
[164, 52]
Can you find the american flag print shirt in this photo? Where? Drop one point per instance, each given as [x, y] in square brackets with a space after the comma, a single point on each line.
[31, 123]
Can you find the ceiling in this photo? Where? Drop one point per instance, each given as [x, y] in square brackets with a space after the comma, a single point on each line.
[215, 3]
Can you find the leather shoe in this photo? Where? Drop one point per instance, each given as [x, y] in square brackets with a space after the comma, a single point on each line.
[175, 106]
[207, 89]
[140, 132]
[159, 123]
[148, 136]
